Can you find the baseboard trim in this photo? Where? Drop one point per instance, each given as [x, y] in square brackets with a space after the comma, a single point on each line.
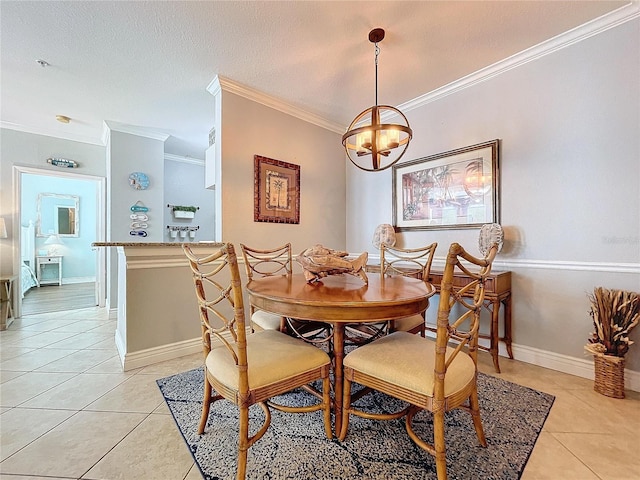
[120, 346]
[70, 280]
[143, 358]
[580, 367]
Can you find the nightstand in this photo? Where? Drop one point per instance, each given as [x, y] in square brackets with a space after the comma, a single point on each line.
[42, 262]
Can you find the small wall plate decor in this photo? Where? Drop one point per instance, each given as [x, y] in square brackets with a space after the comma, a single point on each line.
[62, 162]
[139, 181]
[139, 207]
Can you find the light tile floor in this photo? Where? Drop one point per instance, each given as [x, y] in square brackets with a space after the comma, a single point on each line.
[67, 411]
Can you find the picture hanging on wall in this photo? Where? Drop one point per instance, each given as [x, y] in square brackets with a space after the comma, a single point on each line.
[276, 194]
[455, 189]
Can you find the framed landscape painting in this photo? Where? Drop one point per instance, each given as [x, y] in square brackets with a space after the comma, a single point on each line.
[455, 189]
[276, 191]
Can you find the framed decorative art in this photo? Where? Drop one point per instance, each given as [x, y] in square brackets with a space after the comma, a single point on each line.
[276, 191]
[456, 189]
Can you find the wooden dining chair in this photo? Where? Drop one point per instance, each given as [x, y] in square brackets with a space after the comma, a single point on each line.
[410, 262]
[249, 369]
[429, 375]
[265, 263]
[279, 261]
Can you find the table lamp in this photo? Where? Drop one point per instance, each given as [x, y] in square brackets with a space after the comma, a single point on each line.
[384, 233]
[53, 242]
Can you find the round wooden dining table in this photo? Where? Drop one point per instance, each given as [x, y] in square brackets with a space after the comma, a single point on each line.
[340, 300]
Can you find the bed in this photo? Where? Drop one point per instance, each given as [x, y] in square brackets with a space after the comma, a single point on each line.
[28, 258]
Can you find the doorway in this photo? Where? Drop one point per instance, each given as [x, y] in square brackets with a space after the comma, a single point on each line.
[84, 267]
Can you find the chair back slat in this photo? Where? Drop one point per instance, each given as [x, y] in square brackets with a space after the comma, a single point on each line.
[216, 278]
[409, 262]
[264, 263]
[450, 297]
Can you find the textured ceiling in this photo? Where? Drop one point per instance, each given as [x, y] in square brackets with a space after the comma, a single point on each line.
[148, 64]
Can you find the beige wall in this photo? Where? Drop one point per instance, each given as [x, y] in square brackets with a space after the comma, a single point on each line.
[248, 129]
[569, 126]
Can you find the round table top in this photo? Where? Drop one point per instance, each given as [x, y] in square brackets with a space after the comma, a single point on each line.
[341, 298]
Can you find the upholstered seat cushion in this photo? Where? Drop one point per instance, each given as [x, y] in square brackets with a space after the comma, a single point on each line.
[265, 320]
[407, 360]
[408, 323]
[272, 356]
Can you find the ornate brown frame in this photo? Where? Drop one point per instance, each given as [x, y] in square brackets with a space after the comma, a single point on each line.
[418, 186]
[275, 206]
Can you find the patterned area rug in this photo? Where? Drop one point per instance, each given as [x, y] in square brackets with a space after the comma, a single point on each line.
[295, 446]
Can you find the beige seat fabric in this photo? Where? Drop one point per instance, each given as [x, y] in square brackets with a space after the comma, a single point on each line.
[395, 360]
[272, 357]
[414, 324]
[261, 320]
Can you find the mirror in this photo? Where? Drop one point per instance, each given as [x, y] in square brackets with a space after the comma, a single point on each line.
[58, 214]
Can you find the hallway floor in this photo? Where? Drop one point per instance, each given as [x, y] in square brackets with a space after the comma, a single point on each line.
[67, 411]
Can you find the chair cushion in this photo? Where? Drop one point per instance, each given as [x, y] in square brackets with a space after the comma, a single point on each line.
[408, 360]
[408, 323]
[272, 356]
[265, 320]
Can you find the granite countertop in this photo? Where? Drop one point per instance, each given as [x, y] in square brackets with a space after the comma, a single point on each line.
[152, 244]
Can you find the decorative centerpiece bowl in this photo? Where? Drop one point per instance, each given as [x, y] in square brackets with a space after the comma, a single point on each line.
[614, 314]
[319, 261]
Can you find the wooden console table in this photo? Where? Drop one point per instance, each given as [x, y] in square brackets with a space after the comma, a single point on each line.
[497, 292]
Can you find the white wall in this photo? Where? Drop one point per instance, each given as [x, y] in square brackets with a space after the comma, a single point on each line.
[130, 153]
[569, 124]
[184, 185]
[248, 129]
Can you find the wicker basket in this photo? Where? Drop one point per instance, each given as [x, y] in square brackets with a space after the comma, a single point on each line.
[609, 375]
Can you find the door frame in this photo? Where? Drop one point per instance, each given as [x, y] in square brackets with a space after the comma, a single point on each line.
[100, 184]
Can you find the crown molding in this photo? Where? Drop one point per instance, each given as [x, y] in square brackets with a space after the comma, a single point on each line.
[180, 159]
[135, 130]
[220, 83]
[575, 35]
[50, 132]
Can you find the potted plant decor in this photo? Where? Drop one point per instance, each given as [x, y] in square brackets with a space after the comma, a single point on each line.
[182, 211]
[614, 314]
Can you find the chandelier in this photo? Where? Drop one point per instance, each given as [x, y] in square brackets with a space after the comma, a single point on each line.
[371, 145]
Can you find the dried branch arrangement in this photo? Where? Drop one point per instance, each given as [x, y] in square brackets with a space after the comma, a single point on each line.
[614, 314]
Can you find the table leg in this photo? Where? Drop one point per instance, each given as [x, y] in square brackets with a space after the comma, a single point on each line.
[507, 324]
[338, 357]
[495, 333]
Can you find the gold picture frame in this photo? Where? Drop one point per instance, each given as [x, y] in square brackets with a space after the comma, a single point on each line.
[276, 191]
[455, 189]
